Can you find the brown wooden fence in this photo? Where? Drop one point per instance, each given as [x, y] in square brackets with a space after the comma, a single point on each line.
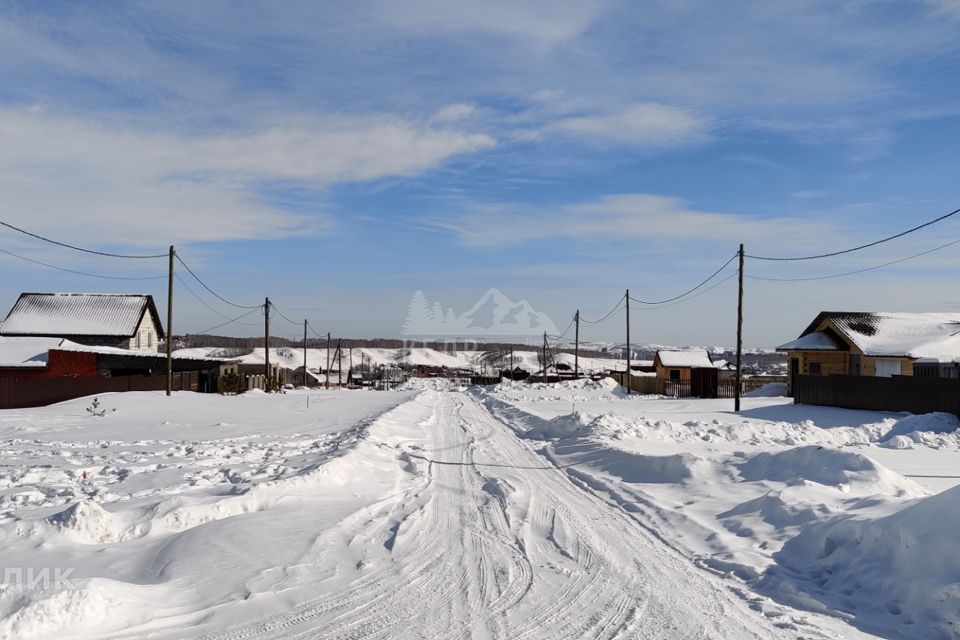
[898, 393]
[19, 393]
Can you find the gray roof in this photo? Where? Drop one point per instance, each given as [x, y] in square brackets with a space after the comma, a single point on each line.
[79, 314]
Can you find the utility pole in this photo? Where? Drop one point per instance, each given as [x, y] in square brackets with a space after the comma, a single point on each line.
[511, 363]
[170, 325]
[350, 369]
[544, 356]
[339, 365]
[739, 377]
[326, 378]
[629, 376]
[266, 344]
[576, 348]
[305, 353]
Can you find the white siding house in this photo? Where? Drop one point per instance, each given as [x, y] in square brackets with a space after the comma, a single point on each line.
[100, 319]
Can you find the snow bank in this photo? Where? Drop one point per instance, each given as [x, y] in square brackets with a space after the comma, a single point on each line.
[924, 423]
[829, 467]
[897, 575]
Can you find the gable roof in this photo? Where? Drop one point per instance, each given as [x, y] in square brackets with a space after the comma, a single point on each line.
[882, 333]
[79, 314]
[684, 358]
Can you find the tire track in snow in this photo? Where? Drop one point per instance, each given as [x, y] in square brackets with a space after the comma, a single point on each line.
[465, 562]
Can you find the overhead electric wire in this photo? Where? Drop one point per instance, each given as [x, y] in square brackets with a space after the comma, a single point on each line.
[696, 295]
[217, 295]
[610, 313]
[862, 246]
[569, 326]
[80, 273]
[207, 304]
[851, 273]
[273, 307]
[689, 291]
[76, 248]
[223, 324]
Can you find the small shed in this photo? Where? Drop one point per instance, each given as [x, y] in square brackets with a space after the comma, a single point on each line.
[675, 365]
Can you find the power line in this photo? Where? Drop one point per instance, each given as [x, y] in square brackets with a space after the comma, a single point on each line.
[696, 295]
[569, 326]
[273, 307]
[80, 273]
[207, 304]
[689, 291]
[862, 246]
[851, 273]
[204, 285]
[610, 313]
[76, 248]
[315, 331]
[223, 324]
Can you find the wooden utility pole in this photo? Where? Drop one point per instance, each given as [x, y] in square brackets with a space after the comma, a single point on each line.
[266, 344]
[629, 375]
[739, 377]
[576, 348]
[544, 356]
[170, 325]
[326, 377]
[350, 369]
[339, 365]
[305, 353]
[511, 363]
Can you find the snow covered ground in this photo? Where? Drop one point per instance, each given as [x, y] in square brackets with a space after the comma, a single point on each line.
[514, 511]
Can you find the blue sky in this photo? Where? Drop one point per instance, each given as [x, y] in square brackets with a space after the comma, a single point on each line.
[340, 156]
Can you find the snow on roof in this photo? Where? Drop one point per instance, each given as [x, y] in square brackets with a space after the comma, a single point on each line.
[816, 341]
[26, 352]
[912, 335]
[684, 358]
[66, 345]
[78, 314]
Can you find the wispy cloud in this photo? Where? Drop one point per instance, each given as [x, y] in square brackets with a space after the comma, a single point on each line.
[635, 216]
[645, 123]
[88, 176]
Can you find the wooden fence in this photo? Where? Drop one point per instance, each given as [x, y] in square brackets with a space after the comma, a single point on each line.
[898, 393]
[20, 393]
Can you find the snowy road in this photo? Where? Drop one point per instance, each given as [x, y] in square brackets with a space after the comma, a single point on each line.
[489, 540]
[435, 513]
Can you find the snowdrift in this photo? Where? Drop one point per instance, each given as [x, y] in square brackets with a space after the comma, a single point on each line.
[830, 467]
[898, 576]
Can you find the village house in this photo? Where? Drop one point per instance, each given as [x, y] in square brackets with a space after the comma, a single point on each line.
[877, 344]
[675, 365]
[97, 319]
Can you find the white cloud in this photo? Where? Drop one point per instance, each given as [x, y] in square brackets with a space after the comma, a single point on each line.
[132, 185]
[649, 218]
[454, 112]
[644, 123]
[540, 22]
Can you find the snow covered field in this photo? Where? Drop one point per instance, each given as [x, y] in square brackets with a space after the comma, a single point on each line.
[514, 511]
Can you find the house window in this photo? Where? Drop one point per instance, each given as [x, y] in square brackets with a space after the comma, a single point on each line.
[149, 339]
[813, 368]
[675, 374]
[887, 368]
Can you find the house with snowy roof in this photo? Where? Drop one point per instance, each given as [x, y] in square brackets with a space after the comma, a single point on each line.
[676, 365]
[100, 319]
[881, 344]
